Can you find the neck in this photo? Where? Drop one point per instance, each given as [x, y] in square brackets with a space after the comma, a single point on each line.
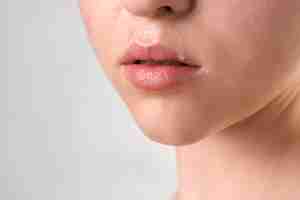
[258, 158]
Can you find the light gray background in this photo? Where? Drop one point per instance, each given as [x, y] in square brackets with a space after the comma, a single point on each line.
[65, 134]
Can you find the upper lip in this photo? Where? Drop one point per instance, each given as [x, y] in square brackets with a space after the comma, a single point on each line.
[156, 52]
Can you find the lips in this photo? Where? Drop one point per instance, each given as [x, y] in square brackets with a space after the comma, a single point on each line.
[157, 68]
[160, 62]
[154, 55]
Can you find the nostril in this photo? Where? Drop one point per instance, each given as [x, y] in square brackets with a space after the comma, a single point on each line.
[155, 8]
[165, 10]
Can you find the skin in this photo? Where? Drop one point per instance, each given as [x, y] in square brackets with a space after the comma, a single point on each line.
[236, 129]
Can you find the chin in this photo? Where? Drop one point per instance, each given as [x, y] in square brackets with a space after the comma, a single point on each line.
[172, 133]
[173, 121]
[175, 140]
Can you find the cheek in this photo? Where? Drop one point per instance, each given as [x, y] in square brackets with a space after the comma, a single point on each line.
[257, 38]
[99, 17]
[89, 17]
[257, 17]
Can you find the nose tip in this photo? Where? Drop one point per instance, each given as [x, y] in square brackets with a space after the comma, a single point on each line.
[151, 8]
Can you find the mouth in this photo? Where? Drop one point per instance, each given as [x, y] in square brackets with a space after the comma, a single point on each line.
[175, 63]
[157, 68]
[156, 55]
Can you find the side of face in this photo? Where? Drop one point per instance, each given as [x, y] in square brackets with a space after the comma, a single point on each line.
[249, 49]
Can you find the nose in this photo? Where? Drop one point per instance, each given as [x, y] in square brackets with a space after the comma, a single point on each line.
[152, 8]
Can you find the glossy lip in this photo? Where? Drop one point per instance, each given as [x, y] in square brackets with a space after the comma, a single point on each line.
[156, 77]
[159, 76]
[155, 52]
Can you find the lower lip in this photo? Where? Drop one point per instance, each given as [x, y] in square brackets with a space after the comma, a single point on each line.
[158, 77]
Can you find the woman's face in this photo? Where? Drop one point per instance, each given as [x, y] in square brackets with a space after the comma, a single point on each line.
[247, 50]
